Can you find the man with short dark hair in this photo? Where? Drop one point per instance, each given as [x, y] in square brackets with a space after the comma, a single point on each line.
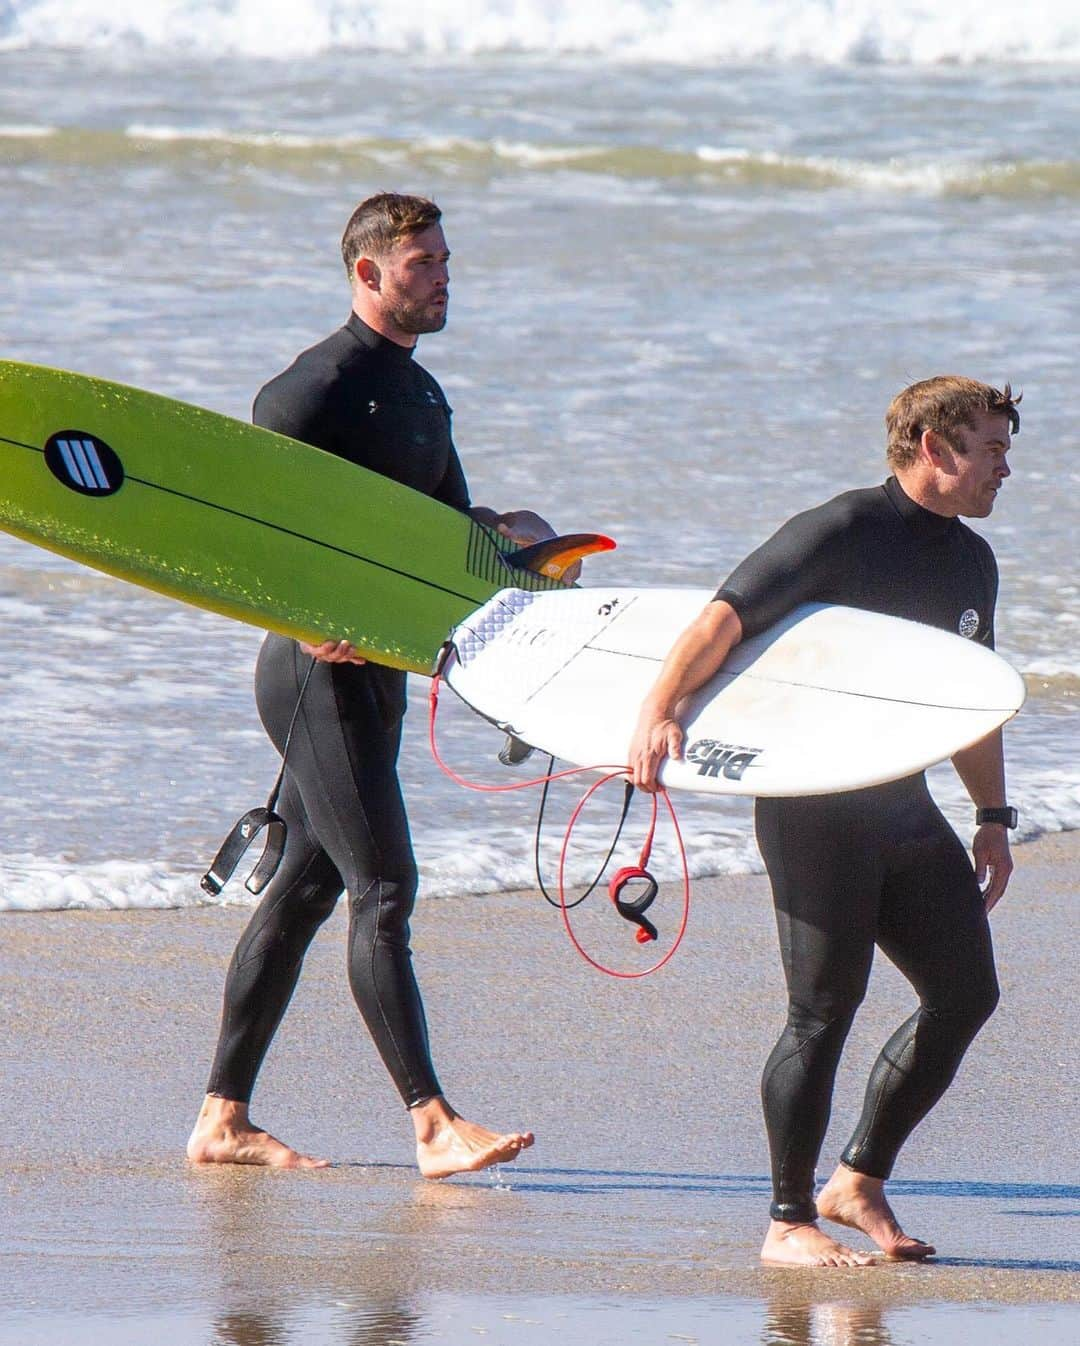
[361, 395]
[876, 866]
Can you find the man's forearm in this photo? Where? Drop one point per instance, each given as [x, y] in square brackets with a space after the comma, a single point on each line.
[982, 769]
[694, 658]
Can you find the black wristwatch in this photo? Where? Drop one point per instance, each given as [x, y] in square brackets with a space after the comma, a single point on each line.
[1006, 816]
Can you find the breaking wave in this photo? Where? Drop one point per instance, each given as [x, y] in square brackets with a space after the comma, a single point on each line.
[692, 32]
[721, 167]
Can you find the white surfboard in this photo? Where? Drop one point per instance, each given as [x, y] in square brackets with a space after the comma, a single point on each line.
[832, 698]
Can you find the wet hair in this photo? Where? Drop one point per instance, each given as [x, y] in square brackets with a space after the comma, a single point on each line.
[944, 404]
[378, 224]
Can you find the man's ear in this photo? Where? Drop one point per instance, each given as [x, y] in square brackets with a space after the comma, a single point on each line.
[367, 273]
[934, 448]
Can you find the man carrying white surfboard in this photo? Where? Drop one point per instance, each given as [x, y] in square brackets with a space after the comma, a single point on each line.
[878, 866]
[337, 720]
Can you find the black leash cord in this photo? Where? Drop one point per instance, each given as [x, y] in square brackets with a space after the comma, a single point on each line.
[271, 803]
[568, 906]
[245, 829]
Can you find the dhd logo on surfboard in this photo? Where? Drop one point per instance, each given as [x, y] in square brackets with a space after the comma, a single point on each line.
[83, 462]
[720, 759]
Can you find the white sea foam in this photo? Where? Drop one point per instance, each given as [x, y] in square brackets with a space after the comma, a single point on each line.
[918, 177]
[26, 131]
[501, 859]
[540, 155]
[18, 610]
[1063, 669]
[691, 31]
[449, 866]
[472, 866]
[215, 135]
[28, 883]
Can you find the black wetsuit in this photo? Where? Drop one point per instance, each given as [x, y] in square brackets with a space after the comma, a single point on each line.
[364, 398]
[877, 866]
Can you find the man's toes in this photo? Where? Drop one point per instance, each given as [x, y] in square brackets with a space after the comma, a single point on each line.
[912, 1250]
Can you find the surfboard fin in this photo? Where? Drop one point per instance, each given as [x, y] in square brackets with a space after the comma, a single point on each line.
[514, 750]
[557, 554]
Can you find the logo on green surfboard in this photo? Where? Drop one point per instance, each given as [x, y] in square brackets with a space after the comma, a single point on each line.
[83, 462]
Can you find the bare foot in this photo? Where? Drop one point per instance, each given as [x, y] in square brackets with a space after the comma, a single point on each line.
[224, 1134]
[447, 1144]
[805, 1245]
[858, 1201]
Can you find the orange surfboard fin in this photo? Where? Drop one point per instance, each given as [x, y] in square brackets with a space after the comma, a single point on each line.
[555, 556]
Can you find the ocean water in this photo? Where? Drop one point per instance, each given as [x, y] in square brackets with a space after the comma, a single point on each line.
[697, 248]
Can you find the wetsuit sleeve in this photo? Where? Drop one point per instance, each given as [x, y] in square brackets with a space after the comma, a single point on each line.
[453, 490]
[804, 561]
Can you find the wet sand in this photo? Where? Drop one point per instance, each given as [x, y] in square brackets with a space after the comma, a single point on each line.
[636, 1217]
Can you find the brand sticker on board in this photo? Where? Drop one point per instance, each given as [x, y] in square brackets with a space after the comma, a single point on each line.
[83, 462]
[721, 759]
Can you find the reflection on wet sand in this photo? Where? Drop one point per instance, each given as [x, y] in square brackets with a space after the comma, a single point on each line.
[372, 1327]
[278, 1259]
[373, 1277]
[827, 1323]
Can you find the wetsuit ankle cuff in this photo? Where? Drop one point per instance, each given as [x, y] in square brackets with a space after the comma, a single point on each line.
[853, 1160]
[793, 1212]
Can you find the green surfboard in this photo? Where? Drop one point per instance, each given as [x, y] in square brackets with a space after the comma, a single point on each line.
[238, 519]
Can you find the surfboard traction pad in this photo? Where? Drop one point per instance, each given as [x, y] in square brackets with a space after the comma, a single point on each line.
[478, 635]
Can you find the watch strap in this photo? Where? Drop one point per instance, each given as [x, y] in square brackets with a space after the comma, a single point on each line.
[1006, 816]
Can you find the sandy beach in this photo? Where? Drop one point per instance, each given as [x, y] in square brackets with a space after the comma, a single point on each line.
[638, 1214]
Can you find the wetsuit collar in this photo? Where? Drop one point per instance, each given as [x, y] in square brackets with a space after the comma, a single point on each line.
[924, 523]
[372, 340]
